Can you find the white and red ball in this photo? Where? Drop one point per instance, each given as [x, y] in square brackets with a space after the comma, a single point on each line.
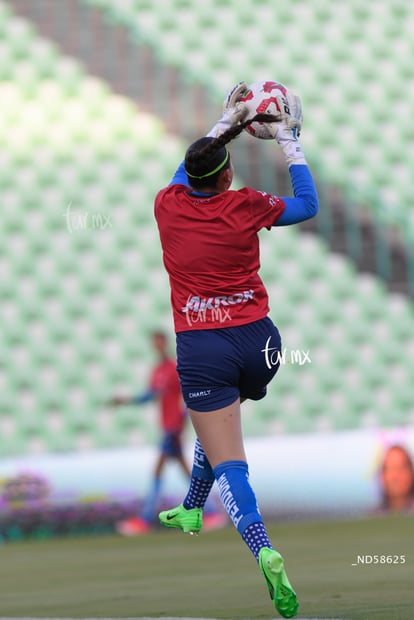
[261, 98]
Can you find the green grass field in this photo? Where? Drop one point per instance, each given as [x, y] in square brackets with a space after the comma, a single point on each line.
[213, 575]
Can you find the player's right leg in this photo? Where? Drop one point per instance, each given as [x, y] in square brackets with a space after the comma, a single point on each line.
[281, 592]
[220, 433]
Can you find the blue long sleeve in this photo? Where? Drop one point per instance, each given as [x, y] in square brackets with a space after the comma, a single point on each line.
[304, 205]
[145, 397]
[180, 176]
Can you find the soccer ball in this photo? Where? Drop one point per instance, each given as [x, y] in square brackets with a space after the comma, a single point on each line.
[260, 98]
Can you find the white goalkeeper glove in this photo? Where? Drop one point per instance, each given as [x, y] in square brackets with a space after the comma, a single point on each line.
[234, 111]
[287, 131]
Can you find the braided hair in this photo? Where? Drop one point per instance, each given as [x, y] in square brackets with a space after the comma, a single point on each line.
[207, 157]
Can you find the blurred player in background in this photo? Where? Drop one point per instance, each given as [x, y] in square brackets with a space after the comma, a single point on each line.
[164, 387]
[227, 346]
[397, 480]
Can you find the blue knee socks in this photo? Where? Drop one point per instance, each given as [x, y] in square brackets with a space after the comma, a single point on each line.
[202, 479]
[240, 502]
[236, 494]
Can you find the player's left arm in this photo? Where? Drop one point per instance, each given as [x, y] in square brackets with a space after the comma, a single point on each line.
[305, 203]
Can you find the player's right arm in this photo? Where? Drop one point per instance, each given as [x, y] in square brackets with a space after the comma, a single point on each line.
[138, 399]
[233, 112]
[180, 176]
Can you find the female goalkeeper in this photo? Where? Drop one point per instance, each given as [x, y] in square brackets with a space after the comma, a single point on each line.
[227, 346]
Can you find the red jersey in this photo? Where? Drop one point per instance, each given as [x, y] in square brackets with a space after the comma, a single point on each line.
[211, 254]
[165, 382]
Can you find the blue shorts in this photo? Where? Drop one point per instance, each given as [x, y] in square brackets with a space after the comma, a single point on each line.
[217, 366]
[171, 445]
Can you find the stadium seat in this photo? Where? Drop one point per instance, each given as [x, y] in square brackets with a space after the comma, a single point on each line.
[329, 67]
[78, 302]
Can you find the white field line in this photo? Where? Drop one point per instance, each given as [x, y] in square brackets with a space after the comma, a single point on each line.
[141, 618]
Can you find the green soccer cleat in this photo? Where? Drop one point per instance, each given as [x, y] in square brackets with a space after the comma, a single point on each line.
[189, 521]
[281, 592]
